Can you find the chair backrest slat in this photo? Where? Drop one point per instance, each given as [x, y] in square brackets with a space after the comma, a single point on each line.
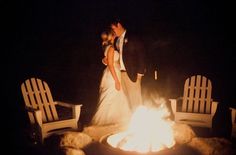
[197, 94]
[191, 94]
[203, 95]
[208, 99]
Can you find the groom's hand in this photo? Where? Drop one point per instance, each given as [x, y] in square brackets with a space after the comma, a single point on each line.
[104, 60]
[139, 77]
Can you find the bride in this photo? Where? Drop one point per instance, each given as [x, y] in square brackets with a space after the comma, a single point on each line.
[113, 106]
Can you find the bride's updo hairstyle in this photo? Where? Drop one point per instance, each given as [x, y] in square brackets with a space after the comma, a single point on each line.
[107, 37]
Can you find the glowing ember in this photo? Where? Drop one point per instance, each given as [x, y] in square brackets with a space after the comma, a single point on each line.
[149, 131]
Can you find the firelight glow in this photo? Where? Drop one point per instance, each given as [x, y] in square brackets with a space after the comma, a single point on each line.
[149, 131]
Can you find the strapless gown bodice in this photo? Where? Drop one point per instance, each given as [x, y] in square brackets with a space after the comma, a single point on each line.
[116, 56]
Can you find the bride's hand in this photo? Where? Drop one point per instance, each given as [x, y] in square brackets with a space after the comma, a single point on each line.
[117, 85]
[104, 60]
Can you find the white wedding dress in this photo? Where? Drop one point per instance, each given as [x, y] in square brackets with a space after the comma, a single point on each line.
[113, 106]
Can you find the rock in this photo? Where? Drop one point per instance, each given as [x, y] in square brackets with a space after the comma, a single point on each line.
[97, 132]
[212, 146]
[76, 140]
[183, 133]
[72, 151]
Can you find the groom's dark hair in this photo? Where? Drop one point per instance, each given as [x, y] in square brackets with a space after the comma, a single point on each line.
[115, 20]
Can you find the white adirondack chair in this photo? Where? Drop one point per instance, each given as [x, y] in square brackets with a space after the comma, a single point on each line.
[42, 110]
[196, 107]
[233, 116]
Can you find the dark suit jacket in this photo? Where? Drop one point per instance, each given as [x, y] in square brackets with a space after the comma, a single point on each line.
[134, 56]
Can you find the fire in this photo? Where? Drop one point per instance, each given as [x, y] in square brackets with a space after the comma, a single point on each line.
[149, 131]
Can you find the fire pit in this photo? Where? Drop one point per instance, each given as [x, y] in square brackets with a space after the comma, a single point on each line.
[149, 132]
[107, 149]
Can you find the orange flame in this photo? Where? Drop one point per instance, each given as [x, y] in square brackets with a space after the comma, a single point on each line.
[149, 131]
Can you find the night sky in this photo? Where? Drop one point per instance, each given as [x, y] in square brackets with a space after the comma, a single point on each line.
[59, 42]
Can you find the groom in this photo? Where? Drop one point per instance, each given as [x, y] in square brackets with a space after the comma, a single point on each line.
[132, 62]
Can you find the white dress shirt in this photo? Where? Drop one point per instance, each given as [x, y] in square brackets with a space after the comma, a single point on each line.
[121, 42]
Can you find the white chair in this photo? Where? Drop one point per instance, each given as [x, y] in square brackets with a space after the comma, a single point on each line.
[233, 115]
[42, 110]
[196, 107]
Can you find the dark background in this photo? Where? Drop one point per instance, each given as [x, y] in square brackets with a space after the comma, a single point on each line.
[59, 42]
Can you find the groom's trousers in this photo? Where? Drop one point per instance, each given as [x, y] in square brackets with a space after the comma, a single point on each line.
[132, 90]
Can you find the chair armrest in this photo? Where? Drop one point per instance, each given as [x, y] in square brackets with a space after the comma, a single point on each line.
[173, 103]
[68, 105]
[176, 99]
[76, 108]
[213, 107]
[76, 111]
[37, 114]
[233, 113]
[30, 109]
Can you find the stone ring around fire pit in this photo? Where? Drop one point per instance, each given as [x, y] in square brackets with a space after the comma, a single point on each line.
[108, 149]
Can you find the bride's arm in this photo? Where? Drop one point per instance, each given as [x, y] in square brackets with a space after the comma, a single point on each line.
[110, 64]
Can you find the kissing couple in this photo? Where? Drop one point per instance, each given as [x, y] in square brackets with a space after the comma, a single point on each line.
[120, 87]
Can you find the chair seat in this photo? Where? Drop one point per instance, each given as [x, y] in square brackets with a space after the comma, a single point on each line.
[194, 119]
